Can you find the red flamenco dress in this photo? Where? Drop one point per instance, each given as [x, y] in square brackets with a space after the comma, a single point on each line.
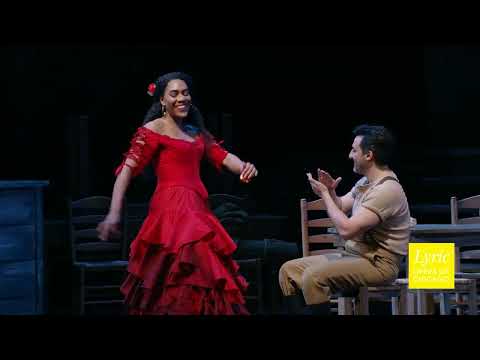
[181, 260]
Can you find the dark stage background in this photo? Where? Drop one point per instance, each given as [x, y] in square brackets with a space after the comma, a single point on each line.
[292, 109]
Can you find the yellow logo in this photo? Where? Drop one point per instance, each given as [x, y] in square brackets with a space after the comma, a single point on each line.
[431, 266]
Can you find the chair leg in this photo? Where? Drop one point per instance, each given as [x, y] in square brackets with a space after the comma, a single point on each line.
[395, 305]
[458, 302]
[345, 305]
[472, 298]
[444, 304]
[361, 304]
[410, 302]
[421, 302]
[403, 303]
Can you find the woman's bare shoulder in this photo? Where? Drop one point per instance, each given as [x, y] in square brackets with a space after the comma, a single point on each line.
[157, 125]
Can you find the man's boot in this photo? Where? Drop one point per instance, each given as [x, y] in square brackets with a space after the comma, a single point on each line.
[319, 309]
[294, 304]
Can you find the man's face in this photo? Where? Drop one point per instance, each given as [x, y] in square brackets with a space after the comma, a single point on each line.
[361, 161]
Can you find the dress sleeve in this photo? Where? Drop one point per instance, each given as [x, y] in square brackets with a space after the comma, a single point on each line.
[215, 154]
[142, 148]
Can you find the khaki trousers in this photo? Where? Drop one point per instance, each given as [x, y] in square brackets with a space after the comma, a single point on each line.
[322, 275]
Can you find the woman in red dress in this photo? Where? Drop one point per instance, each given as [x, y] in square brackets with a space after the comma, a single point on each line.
[180, 262]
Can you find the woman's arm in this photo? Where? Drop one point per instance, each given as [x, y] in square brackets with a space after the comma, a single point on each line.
[110, 225]
[246, 170]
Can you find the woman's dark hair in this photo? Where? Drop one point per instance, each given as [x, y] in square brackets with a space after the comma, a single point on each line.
[377, 139]
[194, 123]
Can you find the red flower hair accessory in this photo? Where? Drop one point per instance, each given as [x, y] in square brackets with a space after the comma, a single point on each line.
[151, 89]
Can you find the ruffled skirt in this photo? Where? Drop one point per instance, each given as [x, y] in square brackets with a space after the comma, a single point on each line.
[181, 261]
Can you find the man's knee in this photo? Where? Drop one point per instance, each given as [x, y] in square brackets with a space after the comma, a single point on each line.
[286, 277]
[311, 278]
[314, 286]
[285, 272]
[287, 269]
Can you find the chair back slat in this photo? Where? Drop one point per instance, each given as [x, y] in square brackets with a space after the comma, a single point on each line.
[307, 222]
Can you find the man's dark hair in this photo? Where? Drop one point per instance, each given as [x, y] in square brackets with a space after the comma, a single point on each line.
[377, 139]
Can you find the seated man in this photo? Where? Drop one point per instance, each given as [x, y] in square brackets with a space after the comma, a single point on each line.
[376, 234]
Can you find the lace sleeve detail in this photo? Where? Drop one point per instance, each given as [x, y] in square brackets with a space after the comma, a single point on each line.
[139, 154]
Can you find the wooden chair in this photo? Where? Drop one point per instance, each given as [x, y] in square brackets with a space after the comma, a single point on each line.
[90, 255]
[344, 303]
[471, 203]
[465, 290]
[467, 260]
[414, 302]
[347, 304]
[462, 286]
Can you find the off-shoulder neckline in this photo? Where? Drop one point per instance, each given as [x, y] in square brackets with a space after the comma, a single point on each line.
[195, 139]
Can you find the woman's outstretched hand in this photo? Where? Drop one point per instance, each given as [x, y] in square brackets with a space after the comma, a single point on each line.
[248, 172]
[110, 227]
